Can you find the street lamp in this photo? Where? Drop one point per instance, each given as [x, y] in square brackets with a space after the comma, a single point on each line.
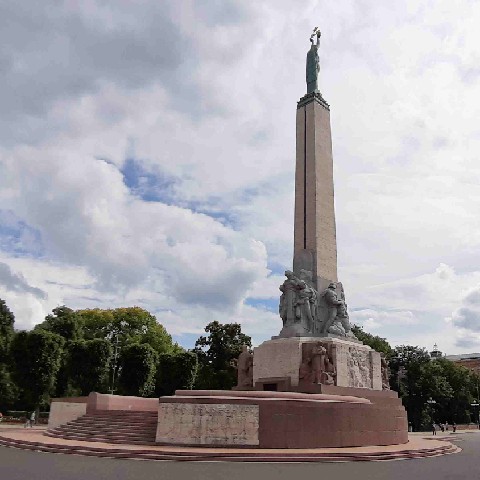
[431, 402]
[117, 333]
[476, 404]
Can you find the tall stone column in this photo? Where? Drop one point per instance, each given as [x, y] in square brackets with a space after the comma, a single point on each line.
[315, 244]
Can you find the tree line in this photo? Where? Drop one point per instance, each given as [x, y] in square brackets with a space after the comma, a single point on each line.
[127, 352]
[123, 351]
[432, 389]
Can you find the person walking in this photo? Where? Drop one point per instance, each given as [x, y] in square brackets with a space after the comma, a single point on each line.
[30, 420]
[454, 427]
[434, 429]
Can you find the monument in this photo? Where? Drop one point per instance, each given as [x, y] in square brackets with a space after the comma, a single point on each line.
[314, 385]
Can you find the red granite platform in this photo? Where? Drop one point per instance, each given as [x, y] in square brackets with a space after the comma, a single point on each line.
[36, 440]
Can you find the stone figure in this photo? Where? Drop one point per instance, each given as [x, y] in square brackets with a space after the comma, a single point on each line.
[245, 368]
[313, 62]
[305, 371]
[288, 299]
[317, 367]
[341, 324]
[333, 303]
[337, 328]
[385, 372]
[306, 301]
[298, 304]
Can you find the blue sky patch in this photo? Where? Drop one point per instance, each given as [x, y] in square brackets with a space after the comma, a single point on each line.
[17, 238]
[148, 185]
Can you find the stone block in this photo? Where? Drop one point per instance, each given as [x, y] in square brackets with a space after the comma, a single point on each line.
[101, 402]
[65, 411]
[207, 424]
[356, 365]
[278, 358]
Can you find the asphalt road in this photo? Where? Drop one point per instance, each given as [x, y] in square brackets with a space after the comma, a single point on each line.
[25, 465]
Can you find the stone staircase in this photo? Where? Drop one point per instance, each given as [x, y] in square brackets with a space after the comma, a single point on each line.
[118, 427]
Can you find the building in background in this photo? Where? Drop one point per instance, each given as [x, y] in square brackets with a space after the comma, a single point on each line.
[469, 360]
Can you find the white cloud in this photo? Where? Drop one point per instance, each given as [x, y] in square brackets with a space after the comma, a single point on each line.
[205, 94]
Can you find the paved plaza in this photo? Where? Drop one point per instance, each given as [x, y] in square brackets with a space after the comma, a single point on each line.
[21, 464]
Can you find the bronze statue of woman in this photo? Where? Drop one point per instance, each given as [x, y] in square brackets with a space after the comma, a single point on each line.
[313, 62]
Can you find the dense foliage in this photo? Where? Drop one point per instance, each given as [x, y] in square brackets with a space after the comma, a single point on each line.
[37, 359]
[137, 367]
[377, 343]
[433, 390]
[217, 353]
[7, 320]
[73, 353]
[176, 372]
[88, 365]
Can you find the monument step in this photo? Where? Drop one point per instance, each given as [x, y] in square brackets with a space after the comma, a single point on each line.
[114, 423]
[207, 454]
[110, 433]
[121, 427]
[114, 427]
[105, 439]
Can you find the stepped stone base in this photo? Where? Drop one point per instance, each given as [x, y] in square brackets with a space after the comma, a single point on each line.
[278, 420]
[105, 418]
[326, 417]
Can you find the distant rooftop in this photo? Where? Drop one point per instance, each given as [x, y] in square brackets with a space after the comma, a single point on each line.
[463, 356]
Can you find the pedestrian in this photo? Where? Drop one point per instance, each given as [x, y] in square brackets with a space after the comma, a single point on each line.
[454, 427]
[434, 429]
[30, 420]
[442, 427]
[446, 426]
[1, 417]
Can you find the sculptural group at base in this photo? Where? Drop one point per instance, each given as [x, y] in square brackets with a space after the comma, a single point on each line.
[305, 312]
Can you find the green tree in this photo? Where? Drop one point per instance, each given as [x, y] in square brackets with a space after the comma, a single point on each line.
[464, 386]
[7, 320]
[64, 322]
[130, 325]
[420, 382]
[377, 343]
[176, 372]
[36, 358]
[217, 353]
[8, 389]
[68, 324]
[88, 365]
[137, 368]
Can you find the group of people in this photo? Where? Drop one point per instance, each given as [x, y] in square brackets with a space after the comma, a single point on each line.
[443, 427]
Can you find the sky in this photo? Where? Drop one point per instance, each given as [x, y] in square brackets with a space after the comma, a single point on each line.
[147, 155]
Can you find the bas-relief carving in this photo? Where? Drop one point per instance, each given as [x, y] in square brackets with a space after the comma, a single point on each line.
[207, 424]
[245, 368]
[317, 364]
[385, 372]
[359, 368]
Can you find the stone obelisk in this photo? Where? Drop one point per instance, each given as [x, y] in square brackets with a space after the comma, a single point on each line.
[315, 245]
